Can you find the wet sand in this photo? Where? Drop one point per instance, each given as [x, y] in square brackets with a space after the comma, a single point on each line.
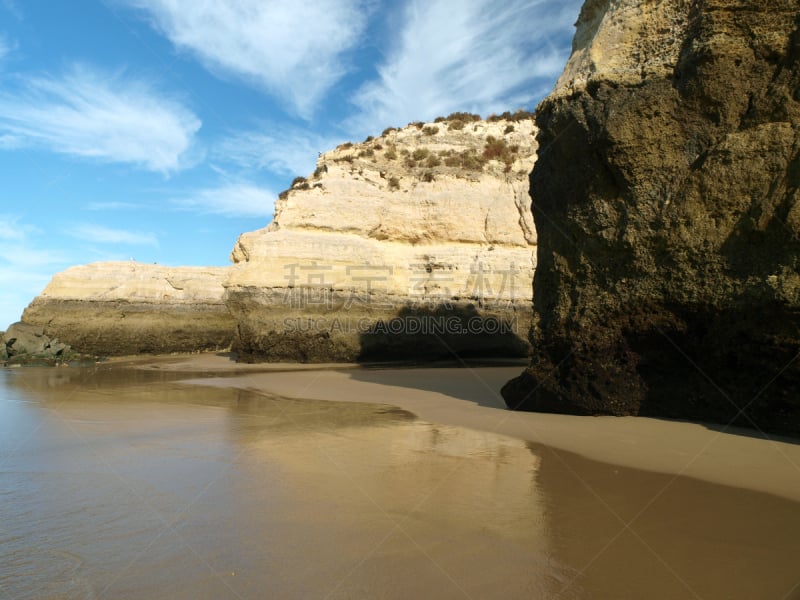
[124, 481]
[471, 398]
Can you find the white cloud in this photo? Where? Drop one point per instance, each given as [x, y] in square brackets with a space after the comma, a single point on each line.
[231, 200]
[8, 142]
[99, 234]
[291, 49]
[285, 151]
[11, 230]
[477, 55]
[110, 118]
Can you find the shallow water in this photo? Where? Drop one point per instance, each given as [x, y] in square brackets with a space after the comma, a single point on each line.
[126, 484]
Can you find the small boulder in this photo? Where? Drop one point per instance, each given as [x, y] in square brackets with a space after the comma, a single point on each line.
[22, 338]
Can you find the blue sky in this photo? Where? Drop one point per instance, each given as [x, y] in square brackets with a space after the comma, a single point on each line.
[162, 129]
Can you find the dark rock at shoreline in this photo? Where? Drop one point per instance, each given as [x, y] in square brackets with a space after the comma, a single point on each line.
[25, 344]
[666, 203]
[23, 338]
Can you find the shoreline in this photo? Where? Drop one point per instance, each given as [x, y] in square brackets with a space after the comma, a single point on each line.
[470, 398]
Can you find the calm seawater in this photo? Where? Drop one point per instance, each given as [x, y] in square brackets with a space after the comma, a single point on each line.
[127, 484]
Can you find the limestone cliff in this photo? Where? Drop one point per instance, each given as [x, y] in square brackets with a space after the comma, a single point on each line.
[423, 228]
[417, 243]
[666, 204]
[118, 308]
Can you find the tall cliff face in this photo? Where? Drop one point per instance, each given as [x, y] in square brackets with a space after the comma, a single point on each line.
[418, 243]
[122, 308]
[666, 204]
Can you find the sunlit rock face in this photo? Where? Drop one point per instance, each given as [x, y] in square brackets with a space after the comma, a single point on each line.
[416, 244]
[121, 308]
[665, 198]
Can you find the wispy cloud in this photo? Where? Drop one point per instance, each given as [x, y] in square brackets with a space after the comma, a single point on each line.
[13, 230]
[477, 55]
[9, 142]
[281, 150]
[231, 200]
[112, 205]
[294, 50]
[25, 271]
[106, 117]
[100, 234]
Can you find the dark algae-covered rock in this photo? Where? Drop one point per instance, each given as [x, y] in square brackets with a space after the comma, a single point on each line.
[665, 197]
[26, 344]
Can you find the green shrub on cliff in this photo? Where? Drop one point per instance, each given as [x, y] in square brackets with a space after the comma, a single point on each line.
[420, 154]
[463, 116]
[519, 115]
[299, 183]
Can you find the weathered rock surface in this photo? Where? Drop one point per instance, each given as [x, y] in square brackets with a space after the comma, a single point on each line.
[22, 338]
[120, 308]
[25, 339]
[416, 244]
[26, 344]
[666, 204]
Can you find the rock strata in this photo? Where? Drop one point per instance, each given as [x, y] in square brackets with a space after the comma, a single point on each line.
[666, 204]
[121, 308]
[416, 244]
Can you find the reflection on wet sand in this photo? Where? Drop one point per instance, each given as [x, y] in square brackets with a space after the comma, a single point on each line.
[127, 484]
[633, 533]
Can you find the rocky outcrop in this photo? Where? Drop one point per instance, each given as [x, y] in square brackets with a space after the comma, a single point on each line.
[666, 204]
[27, 344]
[415, 244]
[120, 308]
[22, 338]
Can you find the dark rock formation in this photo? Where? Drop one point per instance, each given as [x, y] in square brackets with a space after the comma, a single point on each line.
[23, 343]
[666, 203]
[22, 338]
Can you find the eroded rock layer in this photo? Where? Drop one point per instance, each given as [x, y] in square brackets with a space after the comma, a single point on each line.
[666, 205]
[415, 244]
[121, 308]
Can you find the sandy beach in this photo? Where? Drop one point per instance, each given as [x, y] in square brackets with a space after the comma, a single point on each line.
[192, 476]
[470, 397]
